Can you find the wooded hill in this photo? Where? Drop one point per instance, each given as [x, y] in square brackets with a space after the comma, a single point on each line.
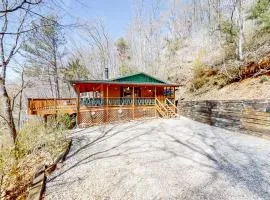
[212, 48]
[198, 44]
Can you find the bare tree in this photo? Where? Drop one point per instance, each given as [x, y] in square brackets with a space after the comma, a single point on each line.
[240, 22]
[23, 85]
[102, 52]
[145, 36]
[10, 35]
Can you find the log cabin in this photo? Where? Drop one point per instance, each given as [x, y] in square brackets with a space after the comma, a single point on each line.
[105, 101]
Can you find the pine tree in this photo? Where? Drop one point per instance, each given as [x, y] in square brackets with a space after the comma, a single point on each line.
[261, 13]
[43, 52]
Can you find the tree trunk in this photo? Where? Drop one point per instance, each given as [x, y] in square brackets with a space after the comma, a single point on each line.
[8, 112]
[1, 184]
[20, 101]
[50, 81]
[8, 116]
[241, 31]
[57, 88]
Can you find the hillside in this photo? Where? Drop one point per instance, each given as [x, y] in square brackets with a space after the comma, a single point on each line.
[251, 88]
[231, 80]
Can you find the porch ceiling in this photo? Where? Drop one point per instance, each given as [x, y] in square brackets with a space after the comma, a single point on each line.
[96, 85]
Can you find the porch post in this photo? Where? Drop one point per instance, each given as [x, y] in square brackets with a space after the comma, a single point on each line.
[155, 100]
[55, 106]
[174, 101]
[174, 94]
[133, 105]
[45, 120]
[107, 95]
[170, 90]
[78, 105]
[164, 94]
[107, 100]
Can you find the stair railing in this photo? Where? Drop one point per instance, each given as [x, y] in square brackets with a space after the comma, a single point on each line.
[168, 102]
[161, 108]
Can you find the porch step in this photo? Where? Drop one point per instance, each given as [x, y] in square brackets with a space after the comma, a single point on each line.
[166, 109]
[171, 112]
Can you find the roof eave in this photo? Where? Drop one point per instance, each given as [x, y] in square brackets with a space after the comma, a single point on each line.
[124, 83]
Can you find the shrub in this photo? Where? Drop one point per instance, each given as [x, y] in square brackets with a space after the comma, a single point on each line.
[35, 135]
[209, 76]
[263, 79]
[7, 165]
[220, 80]
[35, 144]
[65, 121]
[202, 75]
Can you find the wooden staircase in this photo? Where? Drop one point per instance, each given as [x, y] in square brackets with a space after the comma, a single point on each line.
[166, 109]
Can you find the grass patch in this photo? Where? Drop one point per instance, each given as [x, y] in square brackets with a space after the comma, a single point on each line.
[264, 78]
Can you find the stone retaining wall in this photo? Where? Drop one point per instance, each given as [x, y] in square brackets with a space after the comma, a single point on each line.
[248, 116]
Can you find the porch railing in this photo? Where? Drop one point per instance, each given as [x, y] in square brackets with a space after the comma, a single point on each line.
[50, 105]
[142, 101]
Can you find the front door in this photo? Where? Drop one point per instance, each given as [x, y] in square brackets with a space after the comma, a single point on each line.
[137, 92]
[127, 92]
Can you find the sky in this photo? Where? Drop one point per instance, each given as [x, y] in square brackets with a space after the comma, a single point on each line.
[115, 13]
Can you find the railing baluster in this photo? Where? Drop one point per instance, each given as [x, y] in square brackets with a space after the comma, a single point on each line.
[43, 104]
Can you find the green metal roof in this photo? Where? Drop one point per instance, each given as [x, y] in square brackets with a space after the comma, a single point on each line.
[138, 78]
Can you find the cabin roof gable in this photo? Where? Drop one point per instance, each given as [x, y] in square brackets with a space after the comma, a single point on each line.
[138, 78]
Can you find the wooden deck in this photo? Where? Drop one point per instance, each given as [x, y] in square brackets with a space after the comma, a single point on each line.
[43, 107]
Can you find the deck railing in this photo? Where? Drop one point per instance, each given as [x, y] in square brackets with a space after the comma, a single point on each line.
[50, 105]
[43, 104]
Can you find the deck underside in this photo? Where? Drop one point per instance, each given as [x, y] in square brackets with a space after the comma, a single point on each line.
[92, 116]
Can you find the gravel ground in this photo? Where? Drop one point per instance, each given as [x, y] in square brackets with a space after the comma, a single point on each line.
[163, 159]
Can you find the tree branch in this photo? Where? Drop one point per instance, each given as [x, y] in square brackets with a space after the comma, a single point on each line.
[16, 95]
[13, 49]
[23, 31]
[20, 6]
[4, 118]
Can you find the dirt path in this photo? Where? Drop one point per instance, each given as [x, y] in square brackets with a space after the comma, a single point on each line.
[163, 159]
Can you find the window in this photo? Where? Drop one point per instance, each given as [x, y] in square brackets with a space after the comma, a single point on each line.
[127, 92]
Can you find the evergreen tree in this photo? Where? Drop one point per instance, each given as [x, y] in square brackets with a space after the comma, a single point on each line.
[122, 49]
[261, 13]
[43, 52]
[76, 71]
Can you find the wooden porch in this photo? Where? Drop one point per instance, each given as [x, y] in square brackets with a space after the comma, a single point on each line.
[109, 101]
[97, 111]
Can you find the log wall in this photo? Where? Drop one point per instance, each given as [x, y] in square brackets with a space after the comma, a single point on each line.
[247, 116]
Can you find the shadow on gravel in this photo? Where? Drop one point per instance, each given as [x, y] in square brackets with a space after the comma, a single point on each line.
[249, 174]
[105, 135]
[215, 150]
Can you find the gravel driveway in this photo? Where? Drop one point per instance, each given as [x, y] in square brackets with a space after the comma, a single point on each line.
[163, 159]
